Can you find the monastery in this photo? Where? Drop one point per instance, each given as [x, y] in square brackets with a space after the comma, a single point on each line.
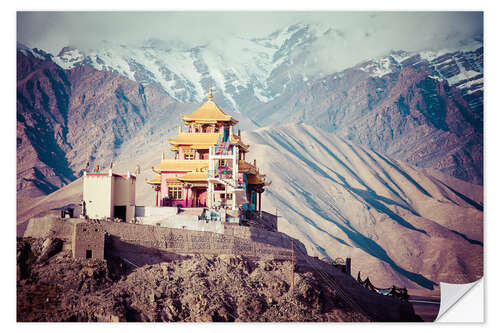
[209, 167]
[206, 184]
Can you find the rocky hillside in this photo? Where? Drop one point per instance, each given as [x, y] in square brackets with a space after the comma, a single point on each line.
[53, 287]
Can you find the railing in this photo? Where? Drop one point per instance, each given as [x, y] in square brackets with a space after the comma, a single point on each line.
[401, 293]
[218, 143]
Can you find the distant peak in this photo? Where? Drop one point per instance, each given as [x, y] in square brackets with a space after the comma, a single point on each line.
[66, 49]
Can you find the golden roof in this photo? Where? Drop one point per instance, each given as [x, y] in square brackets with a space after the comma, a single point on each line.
[194, 176]
[194, 146]
[154, 181]
[181, 165]
[209, 112]
[203, 140]
[196, 138]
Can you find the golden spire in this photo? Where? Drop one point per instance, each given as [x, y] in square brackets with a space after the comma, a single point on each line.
[210, 95]
[163, 156]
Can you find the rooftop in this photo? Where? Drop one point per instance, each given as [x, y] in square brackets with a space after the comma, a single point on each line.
[209, 112]
[181, 165]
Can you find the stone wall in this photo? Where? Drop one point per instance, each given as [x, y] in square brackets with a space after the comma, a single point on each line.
[236, 240]
[233, 239]
[51, 226]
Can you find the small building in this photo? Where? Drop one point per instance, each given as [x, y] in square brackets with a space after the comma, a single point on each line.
[88, 241]
[109, 195]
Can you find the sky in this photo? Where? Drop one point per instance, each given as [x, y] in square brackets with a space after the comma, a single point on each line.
[410, 31]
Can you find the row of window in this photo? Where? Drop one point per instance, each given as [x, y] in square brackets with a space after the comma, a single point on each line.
[190, 154]
[175, 193]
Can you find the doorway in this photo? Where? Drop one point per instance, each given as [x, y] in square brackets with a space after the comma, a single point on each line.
[121, 212]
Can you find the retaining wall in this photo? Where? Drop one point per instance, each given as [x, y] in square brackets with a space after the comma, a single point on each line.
[230, 239]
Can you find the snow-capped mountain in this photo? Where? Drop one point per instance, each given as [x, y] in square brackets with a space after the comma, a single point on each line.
[284, 77]
[461, 68]
[241, 70]
[251, 71]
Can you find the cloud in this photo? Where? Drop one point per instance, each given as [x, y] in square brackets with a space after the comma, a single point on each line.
[359, 35]
[54, 30]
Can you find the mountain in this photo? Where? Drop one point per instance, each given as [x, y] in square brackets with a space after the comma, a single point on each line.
[243, 71]
[403, 106]
[400, 224]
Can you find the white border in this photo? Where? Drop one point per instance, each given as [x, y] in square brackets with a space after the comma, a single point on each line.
[492, 112]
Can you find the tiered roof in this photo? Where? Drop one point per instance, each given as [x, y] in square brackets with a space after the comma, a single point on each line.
[209, 113]
[203, 141]
[181, 165]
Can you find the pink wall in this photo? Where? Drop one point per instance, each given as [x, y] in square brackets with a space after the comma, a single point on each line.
[164, 187]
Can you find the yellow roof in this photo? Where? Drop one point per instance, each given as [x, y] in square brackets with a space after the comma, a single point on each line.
[181, 165]
[154, 181]
[194, 146]
[194, 176]
[208, 112]
[196, 138]
[203, 140]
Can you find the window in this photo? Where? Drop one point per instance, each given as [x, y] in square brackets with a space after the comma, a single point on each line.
[175, 192]
[227, 196]
[189, 154]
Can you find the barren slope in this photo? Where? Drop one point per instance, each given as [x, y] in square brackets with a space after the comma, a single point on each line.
[400, 224]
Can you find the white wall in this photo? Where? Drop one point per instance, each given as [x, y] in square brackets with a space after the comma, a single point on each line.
[102, 192]
[97, 194]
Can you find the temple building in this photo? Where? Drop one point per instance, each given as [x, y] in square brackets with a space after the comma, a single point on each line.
[209, 167]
